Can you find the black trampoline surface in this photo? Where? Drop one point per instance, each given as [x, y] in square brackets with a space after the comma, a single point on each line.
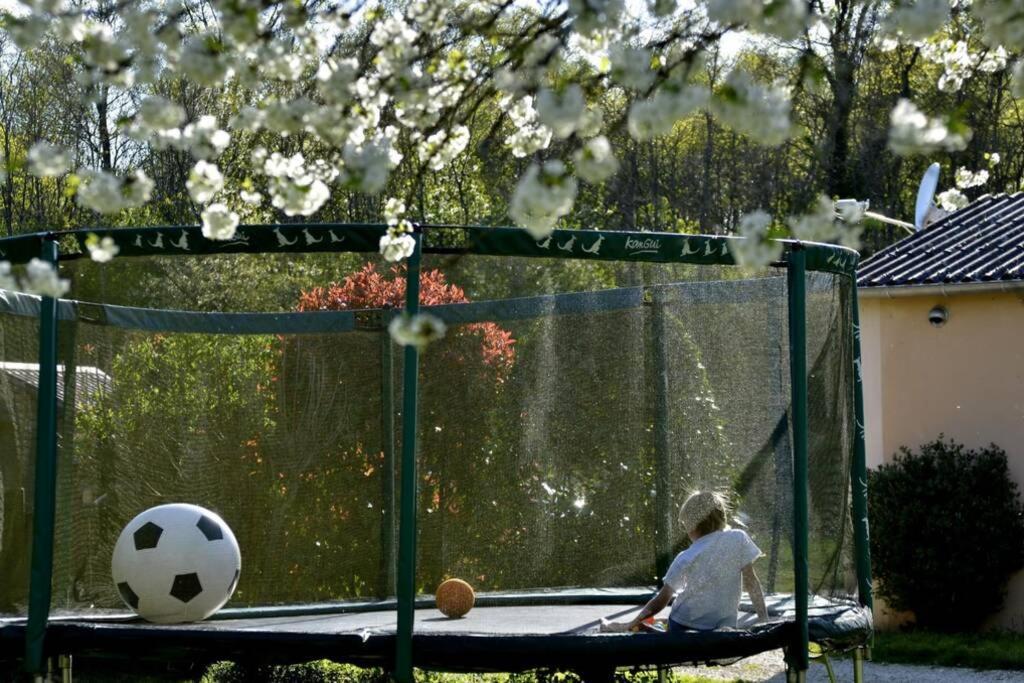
[500, 634]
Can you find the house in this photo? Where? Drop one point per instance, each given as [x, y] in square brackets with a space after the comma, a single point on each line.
[942, 337]
[19, 387]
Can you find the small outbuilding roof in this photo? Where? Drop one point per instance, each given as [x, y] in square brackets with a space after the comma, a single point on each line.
[90, 382]
[982, 242]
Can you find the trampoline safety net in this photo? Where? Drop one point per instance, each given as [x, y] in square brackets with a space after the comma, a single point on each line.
[564, 417]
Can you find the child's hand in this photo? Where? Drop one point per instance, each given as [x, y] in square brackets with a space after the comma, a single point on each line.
[614, 626]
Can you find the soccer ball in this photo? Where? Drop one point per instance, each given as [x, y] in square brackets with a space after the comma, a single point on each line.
[176, 563]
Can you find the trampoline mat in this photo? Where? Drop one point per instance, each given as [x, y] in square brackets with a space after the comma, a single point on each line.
[494, 636]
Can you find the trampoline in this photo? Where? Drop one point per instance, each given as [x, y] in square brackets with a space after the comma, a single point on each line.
[540, 450]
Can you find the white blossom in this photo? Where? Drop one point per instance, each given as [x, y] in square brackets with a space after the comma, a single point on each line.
[661, 8]
[46, 160]
[817, 226]
[919, 19]
[965, 178]
[594, 162]
[951, 200]
[994, 60]
[107, 193]
[251, 198]
[205, 62]
[136, 189]
[297, 188]
[158, 113]
[912, 132]
[204, 138]
[41, 278]
[99, 191]
[394, 209]
[335, 77]
[219, 222]
[760, 111]
[204, 182]
[396, 247]
[656, 116]
[7, 280]
[530, 135]
[1017, 81]
[782, 18]
[368, 161]
[416, 330]
[1003, 22]
[441, 148]
[591, 15]
[102, 49]
[631, 66]
[755, 249]
[101, 250]
[562, 112]
[397, 243]
[543, 195]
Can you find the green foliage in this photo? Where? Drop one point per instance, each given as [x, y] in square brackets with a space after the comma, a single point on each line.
[947, 532]
[328, 672]
[970, 650]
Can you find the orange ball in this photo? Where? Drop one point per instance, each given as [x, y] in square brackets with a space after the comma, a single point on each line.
[455, 598]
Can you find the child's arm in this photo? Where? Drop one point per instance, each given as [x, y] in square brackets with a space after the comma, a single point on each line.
[752, 585]
[653, 606]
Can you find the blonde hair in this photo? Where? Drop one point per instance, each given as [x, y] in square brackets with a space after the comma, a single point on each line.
[704, 512]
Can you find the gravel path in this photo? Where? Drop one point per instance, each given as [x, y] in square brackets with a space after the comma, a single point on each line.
[768, 667]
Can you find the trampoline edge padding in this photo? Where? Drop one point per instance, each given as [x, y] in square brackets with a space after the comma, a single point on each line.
[285, 641]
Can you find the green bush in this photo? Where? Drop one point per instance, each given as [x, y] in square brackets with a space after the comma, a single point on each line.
[947, 531]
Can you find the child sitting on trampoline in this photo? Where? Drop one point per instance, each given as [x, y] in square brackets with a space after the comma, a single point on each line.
[705, 578]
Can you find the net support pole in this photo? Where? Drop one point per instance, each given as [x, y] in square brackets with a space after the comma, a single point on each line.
[387, 527]
[664, 507]
[45, 496]
[406, 588]
[859, 474]
[797, 295]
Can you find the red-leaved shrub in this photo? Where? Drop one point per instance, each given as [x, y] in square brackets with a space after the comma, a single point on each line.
[370, 289]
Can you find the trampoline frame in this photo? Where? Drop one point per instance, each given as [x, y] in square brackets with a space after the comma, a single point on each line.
[798, 259]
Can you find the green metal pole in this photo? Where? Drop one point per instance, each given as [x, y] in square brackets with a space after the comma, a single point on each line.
[45, 497]
[859, 473]
[798, 387]
[387, 529]
[406, 592]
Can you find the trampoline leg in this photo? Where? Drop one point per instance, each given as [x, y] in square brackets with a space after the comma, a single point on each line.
[794, 675]
[64, 665]
[858, 665]
[662, 675]
[828, 667]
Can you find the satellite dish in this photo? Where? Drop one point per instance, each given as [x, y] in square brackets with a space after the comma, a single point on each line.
[925, 194]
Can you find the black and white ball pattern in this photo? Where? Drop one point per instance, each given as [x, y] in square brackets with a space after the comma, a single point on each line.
[176, 563]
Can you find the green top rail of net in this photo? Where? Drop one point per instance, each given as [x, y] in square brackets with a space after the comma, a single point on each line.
[653, 247]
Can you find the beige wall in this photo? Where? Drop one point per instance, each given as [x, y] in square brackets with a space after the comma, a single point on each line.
[964, 379]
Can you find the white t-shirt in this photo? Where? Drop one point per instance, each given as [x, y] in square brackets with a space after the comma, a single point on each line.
[707, 579]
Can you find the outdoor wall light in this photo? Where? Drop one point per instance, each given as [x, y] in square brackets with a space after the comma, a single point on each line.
[938, 316]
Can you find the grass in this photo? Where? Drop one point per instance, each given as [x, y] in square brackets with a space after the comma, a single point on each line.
[329, 672]
[966, 650]
[969, 650]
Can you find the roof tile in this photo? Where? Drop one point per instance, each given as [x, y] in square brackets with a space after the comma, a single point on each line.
[982, 242]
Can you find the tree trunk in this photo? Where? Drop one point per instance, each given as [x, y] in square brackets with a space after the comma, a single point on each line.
[103, 129]
[837, 142]
[8, 187]
[705, 182]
